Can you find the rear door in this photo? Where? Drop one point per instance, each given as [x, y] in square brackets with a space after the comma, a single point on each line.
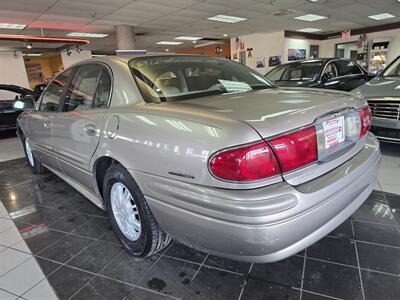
[350, 75]
[41, 120]
[76, 132]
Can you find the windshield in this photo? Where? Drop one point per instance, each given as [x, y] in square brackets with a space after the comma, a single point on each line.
[393, 69]
[299, 71]
[174, 78]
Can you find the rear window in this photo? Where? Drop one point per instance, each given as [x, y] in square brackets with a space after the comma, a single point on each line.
[174, 78]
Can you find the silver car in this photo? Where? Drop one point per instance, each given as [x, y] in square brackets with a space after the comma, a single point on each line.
[383, 95]
[205, 151]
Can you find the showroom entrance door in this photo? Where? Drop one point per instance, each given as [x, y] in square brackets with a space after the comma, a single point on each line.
[76, 132]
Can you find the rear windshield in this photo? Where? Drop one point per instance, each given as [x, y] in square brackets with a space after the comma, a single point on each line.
[300, 71]
[393, 70]
[175, 78]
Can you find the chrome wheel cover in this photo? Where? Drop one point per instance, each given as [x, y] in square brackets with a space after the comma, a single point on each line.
[125, 211]
[29, 153]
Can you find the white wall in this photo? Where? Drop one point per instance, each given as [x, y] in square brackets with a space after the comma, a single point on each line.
[290, 43]
[327, 48]
[264, 45]
[12, 71]
[75, 57]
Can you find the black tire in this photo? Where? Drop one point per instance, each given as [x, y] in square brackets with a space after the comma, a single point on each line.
[37, 167]
[152, 238]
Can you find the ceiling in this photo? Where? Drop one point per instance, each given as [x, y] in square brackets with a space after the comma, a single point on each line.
[160, 20]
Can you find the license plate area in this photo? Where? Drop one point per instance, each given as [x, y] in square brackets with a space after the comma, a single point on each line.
[337, 131]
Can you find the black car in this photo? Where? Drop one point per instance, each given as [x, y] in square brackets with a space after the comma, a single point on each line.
[9, 114]
[329, 73]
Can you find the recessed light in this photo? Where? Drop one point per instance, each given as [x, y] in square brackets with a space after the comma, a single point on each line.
[313, 1]
[12, 26]
[32, 54]
[310, 17]
[225, 34]
[167, 50]
[381, 16]
[194, 42]
[226, 19]
[169, 43]
[188, 38]
[309, 30]
[87, 34]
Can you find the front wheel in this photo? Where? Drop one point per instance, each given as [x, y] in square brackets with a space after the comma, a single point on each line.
[34, 164]
[130, 215]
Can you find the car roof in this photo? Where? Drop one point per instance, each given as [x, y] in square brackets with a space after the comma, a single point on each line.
[16, 89]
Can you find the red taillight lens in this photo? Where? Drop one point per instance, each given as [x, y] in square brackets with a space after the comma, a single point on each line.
[296, 149]
[247, 163]
[365, 118]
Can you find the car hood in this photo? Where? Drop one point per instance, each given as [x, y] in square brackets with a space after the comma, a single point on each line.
[273, 111]
[380, 87]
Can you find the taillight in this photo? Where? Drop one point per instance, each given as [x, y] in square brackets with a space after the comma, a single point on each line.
[296, 149]
[247, 163]
[365, 119]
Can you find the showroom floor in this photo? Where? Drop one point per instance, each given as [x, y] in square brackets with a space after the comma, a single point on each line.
[80, 257]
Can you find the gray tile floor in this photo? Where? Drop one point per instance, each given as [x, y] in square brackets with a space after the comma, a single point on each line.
[72, 242]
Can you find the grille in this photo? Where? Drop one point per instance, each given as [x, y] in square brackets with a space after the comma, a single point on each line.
[385, 109]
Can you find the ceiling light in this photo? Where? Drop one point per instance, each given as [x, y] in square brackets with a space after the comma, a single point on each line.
[89, 35]
[169, 43]
[381, 16]
[226, 19]
[309, 30]
[313, 1]
[194, 42]
[310, 17]
[188, 38]
[167, 50]
[12, 26]
[29, 45]
[225, 34]
[32, 54]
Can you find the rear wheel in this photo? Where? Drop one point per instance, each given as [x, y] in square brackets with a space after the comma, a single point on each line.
[35, 165]
[130, 215]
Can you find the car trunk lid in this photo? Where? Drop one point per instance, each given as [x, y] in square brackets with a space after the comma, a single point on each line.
[275, 112]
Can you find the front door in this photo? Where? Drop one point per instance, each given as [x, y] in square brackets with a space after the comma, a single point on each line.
[76, 132]
[41, 120]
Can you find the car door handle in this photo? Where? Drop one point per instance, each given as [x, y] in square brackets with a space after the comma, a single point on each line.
[46, 124]
[90, 129]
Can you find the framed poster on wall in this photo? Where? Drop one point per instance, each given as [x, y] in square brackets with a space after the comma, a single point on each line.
[275, 60]
[296, 54]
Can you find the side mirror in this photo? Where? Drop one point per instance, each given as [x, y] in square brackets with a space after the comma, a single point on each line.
[24, 103]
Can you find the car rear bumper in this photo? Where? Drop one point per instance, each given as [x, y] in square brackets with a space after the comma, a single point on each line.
[266, 224]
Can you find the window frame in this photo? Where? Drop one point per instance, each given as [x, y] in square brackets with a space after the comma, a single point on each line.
[103, 68]
[61, 102]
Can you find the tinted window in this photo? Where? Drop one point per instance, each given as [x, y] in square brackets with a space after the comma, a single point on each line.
[173, 78]
[347, 67]
[52, 96]
[296, 71]
[103, 90]
[82, 89]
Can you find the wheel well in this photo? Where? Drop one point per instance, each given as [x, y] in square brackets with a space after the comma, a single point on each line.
[100, 170]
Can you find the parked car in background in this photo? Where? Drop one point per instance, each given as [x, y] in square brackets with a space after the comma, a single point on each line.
[206, 151]
[328, 73]
[383, 95]
[8, 113]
